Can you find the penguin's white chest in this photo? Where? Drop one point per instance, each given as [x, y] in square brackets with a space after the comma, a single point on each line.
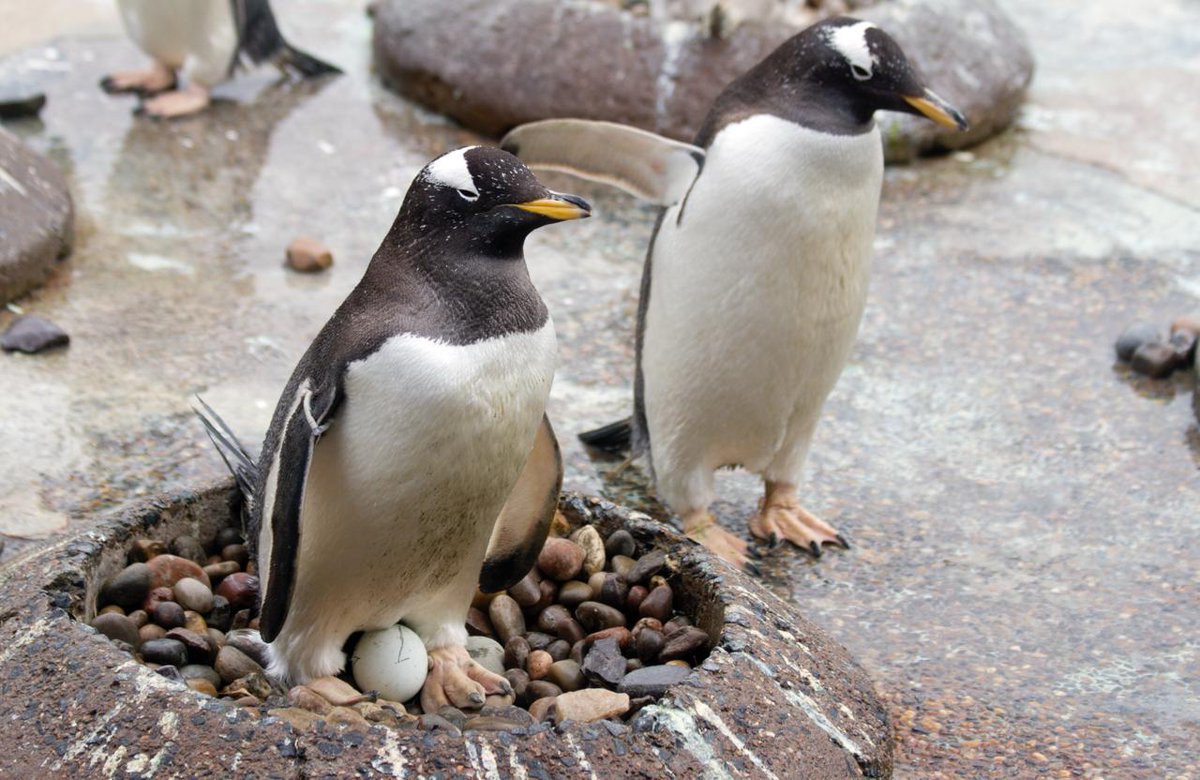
[197, 36]
[757, 294]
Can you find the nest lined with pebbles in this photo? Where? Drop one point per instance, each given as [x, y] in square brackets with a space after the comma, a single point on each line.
[591, 633]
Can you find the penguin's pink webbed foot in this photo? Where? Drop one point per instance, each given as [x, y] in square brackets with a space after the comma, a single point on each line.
[180, 102]
[150, 81]
[781, 517]
[702, 527]
[457, 680]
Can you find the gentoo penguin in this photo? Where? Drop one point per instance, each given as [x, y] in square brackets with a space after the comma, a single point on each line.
[410, 450]
[756, 276]
[203, 41]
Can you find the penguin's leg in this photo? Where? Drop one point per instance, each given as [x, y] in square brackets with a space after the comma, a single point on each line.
[148, 81]
[689, 491]
[181, 102]
[702, 527]
[780, 516]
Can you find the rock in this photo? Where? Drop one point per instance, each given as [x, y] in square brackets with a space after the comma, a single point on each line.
[685, 643]
[516, 652]
[236, 553]
[658, 603]
[128, 588]
[307, 699]
[188, 547]
[200, 672]
[193, 621]
[166, 570]
[454, 715]
[560, 559]
[1156, 360]
[633, 601]
[566, 674]
[509, 712]
[300, 720]
[559, 649]
[232, 663]
[247, 701]
[155, 597]
[526, 592]
[620, 542]
[492, 723]
[220, 614]
[240, 589]
[604, 663]
[649, 644]
[217, 637]
[249, 642]
[506, 617]
[646, 567]
[203, 686]
[143, 550]
[1135, 336]
[36, 219]
[499, 700]
[540, 689]
[169, 615]
[200, 649]
[486, 652]
[596, 581]
[433, 722]
[16, 103]
[478, 623]
[149, 632]
[594, 556]
[574, 593]
[570, 631]
[307, 255]
[652, 680]
[519, 680]
[614, 591]
[116, 626]
[537, 640]
[164, 651]
[1184, 344]
[594, 616]
[589, 705]
[549, 591]
[139, 617]
[539, 708]
[391, 661]
[550, 617]
[538, 664]
[194, 595]
[622, 635]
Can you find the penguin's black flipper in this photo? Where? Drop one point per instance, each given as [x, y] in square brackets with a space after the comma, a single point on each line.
[260, 40]
[310, 417]
[615, 438]
[524, 522]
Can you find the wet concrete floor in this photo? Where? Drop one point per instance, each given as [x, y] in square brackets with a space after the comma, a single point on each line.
[1023, 584]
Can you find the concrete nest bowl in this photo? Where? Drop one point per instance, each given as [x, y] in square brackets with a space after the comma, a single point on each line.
[775, 697]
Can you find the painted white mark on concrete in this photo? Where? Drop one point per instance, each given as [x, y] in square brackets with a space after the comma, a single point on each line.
[683, 726]
[581, 757]
[8, 179]
[518, 769]
[706, 712]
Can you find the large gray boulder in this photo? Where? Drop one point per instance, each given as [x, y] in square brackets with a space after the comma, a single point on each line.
[494, 64]
[35, 217]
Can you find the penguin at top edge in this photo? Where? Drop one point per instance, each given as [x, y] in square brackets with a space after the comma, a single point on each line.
[410, 459]
[756, 276]
[201, 42]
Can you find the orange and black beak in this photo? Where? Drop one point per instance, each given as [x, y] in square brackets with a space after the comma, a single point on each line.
[558, 207]
[933, 107]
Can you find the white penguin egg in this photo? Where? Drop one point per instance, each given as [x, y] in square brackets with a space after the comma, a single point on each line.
[392, 661]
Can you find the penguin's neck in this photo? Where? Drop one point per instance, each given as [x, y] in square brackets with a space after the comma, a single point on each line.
[803, 99]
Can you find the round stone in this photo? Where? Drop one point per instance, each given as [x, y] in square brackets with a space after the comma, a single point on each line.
[391, 661]
[166, 570]
[1135, 336]
[128, 589]
[194, 595]
[188, 547]
[486, 652]
[240, 589]
[169, 615]
[118, 627]
[620, 542]
[506, 617]
[233, 664]
[574, 593]
[164, 651]
[560, 559]
[594, 556]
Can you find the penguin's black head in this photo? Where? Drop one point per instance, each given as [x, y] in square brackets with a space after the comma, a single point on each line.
[486, 197]
[862, 69]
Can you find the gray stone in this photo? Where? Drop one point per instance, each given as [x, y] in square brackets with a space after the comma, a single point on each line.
[620, 542]
[189, 547]
[32, 334]
[201, 672]
[16, 102]
[194, 595]
[652, 680]
[128, 589]
[486, 652]
[1134, 336]
[604, 663]
[117, 627]
[164, 651]
[232, 663]
[35, 217]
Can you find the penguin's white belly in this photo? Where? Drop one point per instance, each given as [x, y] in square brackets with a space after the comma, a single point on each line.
[756, 297]
[196, 36]
[407, 483]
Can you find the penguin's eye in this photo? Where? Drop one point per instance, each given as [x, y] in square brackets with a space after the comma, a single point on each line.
[860, 73]
[469, 196]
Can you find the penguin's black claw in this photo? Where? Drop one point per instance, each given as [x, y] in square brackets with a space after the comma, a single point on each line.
[108, 85]
[774, 541]
[842, 541]
[476, 698]
[815, 548]
[506, 689]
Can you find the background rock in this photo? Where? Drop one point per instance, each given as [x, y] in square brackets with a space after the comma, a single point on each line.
[470, 59]
[35, 217]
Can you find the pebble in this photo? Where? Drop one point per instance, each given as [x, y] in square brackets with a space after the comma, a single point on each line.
[506, 617]
[589, 705]
[614, 591]
[165, 651]
[128, 588]
[169, 615]
[139, 617]
[1184, 344]
[307, 699]
[519, 680]
[574, 593]
[566, 674]
[622, 564]
[620, 542]
[685, 643]
[193, 621]
[150, 631]
[594, 556]
[172, 673]
[256, 685]
[622, 635]
[240, 589]
[539, 708]
[227, 536]
[250, 643]
[550, 617]
[516, 653]
[431, 721]
[200, 649]
[649, 644]
[478, 623]
[652, 680]
[1155, 359]
[486, 652]
[112, 609]
[560, 559]
[193, 594]
[219, 571]
[31, 334]
[1135, 336]
[167, 569]
[509, 712]
[594, 616]
[220, 615]
[604, 663]
[307, 255]
[236, 553]
[527, 591]
[538, 689]
[647, 566]
[155, 597]
[188, 547]
[491, 723]
[300, 720]
[118, 627]
[633, 602]
[200, 672]
[232, 663]
[549, 590]
[538, 664]
[570, 631]
[143, 550]
[559, 649]
[658, 603]
[202, 686]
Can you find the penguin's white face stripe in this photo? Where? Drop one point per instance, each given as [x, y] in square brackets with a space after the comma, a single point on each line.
[851, 42]
[450, 170]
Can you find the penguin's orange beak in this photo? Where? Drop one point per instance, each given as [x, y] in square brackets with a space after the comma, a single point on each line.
[937, 109]
[558, 207]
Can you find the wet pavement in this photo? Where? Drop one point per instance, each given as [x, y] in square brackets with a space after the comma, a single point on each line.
[1022, 586]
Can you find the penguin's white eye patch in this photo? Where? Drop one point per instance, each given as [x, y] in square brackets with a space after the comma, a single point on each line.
[468, 195]
[850, 41]
[860, 73]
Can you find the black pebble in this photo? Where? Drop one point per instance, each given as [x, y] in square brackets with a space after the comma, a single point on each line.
[33, 334]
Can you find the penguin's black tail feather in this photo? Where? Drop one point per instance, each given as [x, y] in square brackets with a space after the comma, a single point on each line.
[231, 450]
[615, 438]
[303, 63]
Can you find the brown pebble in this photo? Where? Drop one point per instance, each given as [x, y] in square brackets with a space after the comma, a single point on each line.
[566, 675]
[188, 547]
[348, 717]
[202, 686]
[526, 592]
[549, 595]
[637, 594]
[574, 593]
[193, 621]
[649, 644]
[307, 255]
[679, 662]
[219, 571]
[166, 570]
[128, 587]
[684, 643]
[632, 665]
[305, 698]
[622, 564]
[588, 705]
[193, 594]
[117, 626]
[478, 623]
[647, 622]
[155, 597]
[498, 700]
[537, 640]
[594, 616]
[481, 600]
[516, 652]
[233, 664]
[169, 615]
[143, 550]
[623, 636]
[112, 609]
[506, 617]
[200, 648]
[646, 567]
[570, 631]
[540, 708]
[217, 636]
[519, 680]
[614, 590]
[539, 689]
[620, 542]
[150, 632]
[657, 581]
[560, 559]
[139, 617]
[236, 553]
[247, 701]
[240, 589]
[300, 720]
[538, 664]
[559, 649]
[658, 604]
[594, 558]
[1156, 360]
[1184, 344]
[550, 617]
[578, 650]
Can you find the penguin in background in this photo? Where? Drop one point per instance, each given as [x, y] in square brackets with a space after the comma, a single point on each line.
[756, 276]
[410, 458]
[202, 41]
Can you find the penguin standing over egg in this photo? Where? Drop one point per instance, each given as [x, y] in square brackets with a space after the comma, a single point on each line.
[410, 458]
[202, 41]
[756, 277]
